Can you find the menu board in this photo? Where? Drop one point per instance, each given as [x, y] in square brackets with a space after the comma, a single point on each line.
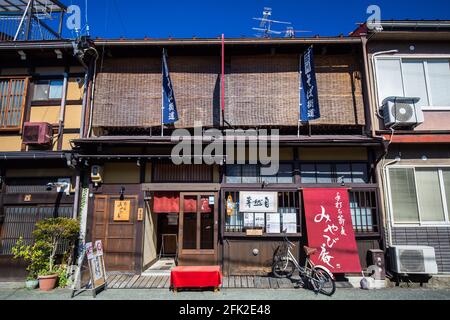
[290, 222]
[273, 223]
[260, 220]
[249, 219]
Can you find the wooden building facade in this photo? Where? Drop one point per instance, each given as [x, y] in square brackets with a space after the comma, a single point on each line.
[182, 209]
[38, 179]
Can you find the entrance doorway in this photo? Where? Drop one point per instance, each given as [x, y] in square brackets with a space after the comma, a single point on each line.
[198, 229]
[185, 229]
[115, 224]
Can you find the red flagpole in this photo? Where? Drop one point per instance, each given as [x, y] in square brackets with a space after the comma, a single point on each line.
[223, 80]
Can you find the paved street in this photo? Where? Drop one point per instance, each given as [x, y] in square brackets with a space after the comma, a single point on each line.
[231, 294]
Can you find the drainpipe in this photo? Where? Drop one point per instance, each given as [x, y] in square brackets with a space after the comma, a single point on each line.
[381, 174]
[83, 107]
[386, 194]
[76, 201]
[88, 75]
[367, 83]
[373, 106]
[94, 77]
[62, 110]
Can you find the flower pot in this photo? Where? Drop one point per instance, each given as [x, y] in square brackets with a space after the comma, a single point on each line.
[48, 283]
[32, 284]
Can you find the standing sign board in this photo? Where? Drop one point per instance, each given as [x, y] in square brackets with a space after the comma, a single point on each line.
[96, 265]
[94, 255]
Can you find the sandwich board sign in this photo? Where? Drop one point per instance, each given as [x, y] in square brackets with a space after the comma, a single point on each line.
[96, 264]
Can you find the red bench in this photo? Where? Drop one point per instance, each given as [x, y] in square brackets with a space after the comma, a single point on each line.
[196, 277]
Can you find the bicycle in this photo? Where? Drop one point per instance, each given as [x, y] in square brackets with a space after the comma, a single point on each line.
[285, 264]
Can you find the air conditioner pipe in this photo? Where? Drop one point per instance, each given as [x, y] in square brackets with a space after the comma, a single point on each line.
[386, 194]
[374, 71]
[373, 101]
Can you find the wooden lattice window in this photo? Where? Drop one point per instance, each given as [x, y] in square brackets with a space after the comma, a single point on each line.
[12, 102]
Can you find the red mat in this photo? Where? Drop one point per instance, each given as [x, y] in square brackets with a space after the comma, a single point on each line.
[196, 277]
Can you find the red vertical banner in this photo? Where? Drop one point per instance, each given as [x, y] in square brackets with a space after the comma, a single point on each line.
[330, 229]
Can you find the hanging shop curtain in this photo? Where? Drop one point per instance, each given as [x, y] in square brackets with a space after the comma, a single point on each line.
[330, 229]
[166, 202]
[169, 202]
[190, 205]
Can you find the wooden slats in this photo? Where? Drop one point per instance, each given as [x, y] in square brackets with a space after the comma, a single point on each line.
[163, 282]
[12, 101]
[20, 222]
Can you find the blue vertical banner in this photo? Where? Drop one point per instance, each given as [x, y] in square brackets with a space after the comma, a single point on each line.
[310, 109]
[169, 107]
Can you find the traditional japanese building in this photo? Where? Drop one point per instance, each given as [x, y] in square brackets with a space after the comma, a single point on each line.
[41, 103]
[409, 67]
[81, 136]
[144, 207]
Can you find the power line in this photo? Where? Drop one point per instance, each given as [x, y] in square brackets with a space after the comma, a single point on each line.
[124, 29]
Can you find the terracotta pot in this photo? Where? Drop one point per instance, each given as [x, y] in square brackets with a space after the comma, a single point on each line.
[48, 283]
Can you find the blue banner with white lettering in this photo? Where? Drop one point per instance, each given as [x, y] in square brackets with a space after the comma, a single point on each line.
[170, 114]
[310, 109]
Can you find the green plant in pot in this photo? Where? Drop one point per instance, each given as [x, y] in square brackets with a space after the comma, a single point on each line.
[50, 235]
[36, 255]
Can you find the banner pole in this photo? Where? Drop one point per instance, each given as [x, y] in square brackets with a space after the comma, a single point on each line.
[223, 81]
[162, 97]
[162, 112]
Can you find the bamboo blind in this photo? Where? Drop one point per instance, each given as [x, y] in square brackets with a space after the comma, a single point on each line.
[261, 90]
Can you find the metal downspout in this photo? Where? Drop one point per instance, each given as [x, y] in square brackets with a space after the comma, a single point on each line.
[62, 110]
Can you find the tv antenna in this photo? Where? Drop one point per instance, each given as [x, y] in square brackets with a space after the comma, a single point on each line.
[265, 26]
[290, 32]
[44, 10]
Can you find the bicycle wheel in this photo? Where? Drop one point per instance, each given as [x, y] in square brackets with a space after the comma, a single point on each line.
[323, 282]
[283, 268]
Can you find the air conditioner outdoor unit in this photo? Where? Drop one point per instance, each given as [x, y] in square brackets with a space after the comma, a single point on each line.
[413, 260]
[37, 133]
[402, 112]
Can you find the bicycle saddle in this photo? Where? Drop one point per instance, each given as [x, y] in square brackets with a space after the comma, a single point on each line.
[309, 251]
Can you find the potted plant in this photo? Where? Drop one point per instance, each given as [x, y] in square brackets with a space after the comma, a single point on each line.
[36, 256]
[51, 236]
[31, 283]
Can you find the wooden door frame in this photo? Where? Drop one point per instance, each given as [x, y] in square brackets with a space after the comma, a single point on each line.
[108, 198]
[213, 252]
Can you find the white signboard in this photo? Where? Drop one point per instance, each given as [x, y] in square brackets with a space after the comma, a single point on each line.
[290, 222]
[249, 219]
[258, 201]
[260, 220]
[273, 224]
[99, 246]
[98, 274]
[89, 251]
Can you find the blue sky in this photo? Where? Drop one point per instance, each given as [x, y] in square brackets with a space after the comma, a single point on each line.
[210, 18]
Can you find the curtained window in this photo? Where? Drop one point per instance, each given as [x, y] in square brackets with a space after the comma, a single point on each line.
[419, 195]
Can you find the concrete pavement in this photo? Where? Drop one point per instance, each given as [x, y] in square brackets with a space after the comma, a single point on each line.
[231, 294]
